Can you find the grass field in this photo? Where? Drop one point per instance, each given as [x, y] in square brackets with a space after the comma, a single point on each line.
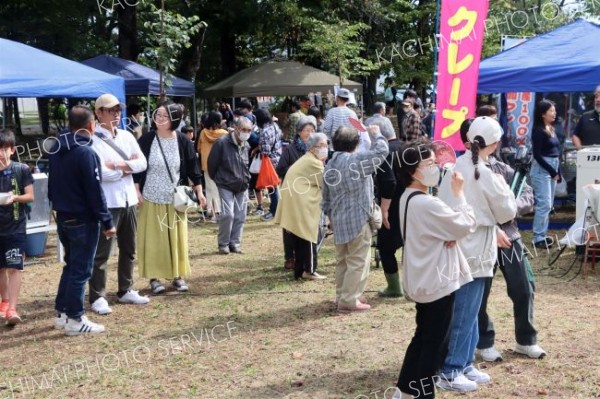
[248, 330]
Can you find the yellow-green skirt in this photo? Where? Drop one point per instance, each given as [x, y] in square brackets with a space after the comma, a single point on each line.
[162, 242]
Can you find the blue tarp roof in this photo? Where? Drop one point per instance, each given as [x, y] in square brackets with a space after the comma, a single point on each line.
[26, 71]
[566, 59]
[139, 79]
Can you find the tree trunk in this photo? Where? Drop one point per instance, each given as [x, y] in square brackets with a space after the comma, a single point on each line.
[369, 93]
[192, 57]
[15, 103]
[127, 24]
[42, 104]
[227, 53]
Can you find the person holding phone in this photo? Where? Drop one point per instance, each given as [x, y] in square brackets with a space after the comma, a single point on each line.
[434, 266]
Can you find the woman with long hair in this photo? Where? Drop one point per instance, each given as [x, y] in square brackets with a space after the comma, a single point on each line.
[162, 238]
[545, 172]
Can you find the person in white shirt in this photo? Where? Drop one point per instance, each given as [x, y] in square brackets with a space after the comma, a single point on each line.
[339, 116]
[434, 266]
[120, 156]
[494, 204]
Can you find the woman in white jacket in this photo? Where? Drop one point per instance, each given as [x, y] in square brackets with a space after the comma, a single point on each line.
[493, 203]
[434, 266]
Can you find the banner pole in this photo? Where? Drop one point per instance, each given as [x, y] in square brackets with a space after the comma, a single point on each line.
[435, 61]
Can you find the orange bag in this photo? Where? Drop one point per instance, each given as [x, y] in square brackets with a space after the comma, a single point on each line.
[267, 177]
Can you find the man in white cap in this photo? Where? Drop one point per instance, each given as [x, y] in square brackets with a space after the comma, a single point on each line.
[120, 156]
[339, 115]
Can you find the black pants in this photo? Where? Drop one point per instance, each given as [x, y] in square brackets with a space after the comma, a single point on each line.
[288, 245]
[388, 261]
[428, 348]
[306, 255]
[515, 269]
[125, 221]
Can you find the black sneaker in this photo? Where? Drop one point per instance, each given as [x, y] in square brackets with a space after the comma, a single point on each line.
[156, 287]
[180, 285]
[545, 243]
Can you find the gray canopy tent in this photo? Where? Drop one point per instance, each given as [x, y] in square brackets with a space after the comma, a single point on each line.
[278, 78]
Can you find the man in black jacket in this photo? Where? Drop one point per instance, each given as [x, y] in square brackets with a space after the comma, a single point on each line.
[76, 195]
[228, 167]
[587, 131]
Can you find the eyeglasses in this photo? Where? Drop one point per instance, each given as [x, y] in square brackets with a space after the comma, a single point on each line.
[161, 116]
[112, 111]
[245, 130]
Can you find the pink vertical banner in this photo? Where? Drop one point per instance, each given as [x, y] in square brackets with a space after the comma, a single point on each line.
[462, 25]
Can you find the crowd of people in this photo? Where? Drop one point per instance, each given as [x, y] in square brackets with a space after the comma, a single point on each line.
[110, 185]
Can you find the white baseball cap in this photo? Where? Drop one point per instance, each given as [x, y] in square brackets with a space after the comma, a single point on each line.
[487, 128]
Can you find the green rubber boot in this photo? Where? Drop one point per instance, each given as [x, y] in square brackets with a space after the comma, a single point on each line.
[393, 290]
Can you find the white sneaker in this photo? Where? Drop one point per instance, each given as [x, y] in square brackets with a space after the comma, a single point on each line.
[100, 306]
[476, 375]
[82, 326]
[532, 351]
[489, 354]
[460, 383]
[133, 297]
[60, 321]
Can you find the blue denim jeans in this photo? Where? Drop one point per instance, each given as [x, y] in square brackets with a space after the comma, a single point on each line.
[79, 240]
[274, 196]
[543, 190]
[464, 331]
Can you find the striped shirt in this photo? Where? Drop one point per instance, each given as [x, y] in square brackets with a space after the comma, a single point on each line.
[337, 117]
[348, 189]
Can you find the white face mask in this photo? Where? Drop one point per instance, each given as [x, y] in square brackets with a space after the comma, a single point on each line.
[431, 176]
[244, 136]
[322, 153]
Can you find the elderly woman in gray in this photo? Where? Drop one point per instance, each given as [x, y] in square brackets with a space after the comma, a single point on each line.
[299, 209]
[347, 201]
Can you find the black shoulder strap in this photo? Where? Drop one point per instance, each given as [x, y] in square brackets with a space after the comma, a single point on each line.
[406, 212]
[165, 159]
[18, 171]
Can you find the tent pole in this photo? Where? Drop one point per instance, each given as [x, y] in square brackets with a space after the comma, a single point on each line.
[3, 112]
[232, 103]
[194, 115]
[148, 116]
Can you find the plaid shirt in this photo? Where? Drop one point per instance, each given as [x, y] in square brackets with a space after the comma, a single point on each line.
[411, 126]
[270, 142]
[348, 189]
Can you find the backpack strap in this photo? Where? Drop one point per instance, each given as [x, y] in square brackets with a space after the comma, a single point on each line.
[406, 213]
[17, 169]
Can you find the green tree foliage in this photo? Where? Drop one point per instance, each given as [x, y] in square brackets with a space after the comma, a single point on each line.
[360, 39]
[340, 46]
[167, 33]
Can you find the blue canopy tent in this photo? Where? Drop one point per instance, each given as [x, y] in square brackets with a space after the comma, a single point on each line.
[26, 71]
[566, 59]
[142, 80]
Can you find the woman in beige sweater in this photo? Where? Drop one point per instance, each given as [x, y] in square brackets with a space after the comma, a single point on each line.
[211, 133]
[299, 211]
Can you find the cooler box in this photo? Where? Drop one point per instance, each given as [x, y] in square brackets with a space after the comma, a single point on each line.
[38, 222]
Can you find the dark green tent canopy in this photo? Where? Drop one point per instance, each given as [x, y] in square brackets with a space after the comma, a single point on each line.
[272, 78]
